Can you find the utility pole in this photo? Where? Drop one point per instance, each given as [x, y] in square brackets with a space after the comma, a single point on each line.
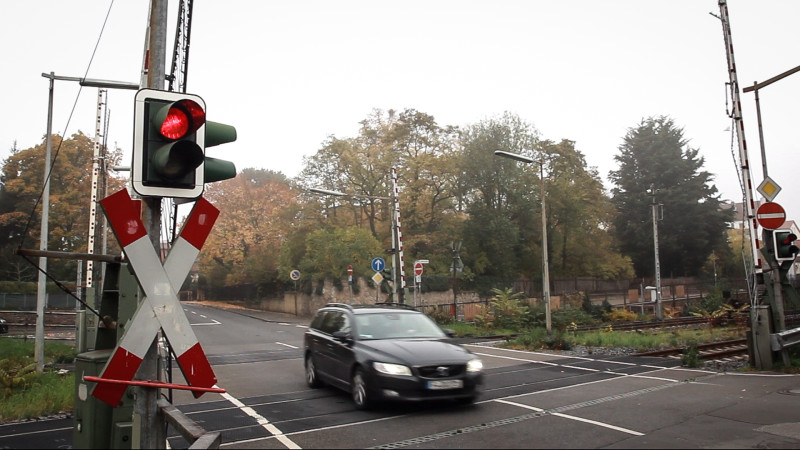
[149, 429]
[655, 206]
[736, 114]
[760, 337]
[398, 265]
[545, 259]
[41, 297]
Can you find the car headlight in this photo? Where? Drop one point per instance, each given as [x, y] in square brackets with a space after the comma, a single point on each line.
[391, 369]
[475, 365]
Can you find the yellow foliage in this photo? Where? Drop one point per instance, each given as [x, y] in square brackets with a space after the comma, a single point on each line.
[619, 315]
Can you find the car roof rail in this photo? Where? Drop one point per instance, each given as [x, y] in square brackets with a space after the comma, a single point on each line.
[339, 305]
[396, 305]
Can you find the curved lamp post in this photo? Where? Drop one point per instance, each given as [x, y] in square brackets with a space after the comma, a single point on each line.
[545, 264]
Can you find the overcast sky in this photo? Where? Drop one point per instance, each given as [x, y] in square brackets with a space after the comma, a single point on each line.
[288, 74]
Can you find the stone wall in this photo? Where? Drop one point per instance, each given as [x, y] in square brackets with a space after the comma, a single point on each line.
[305, 305]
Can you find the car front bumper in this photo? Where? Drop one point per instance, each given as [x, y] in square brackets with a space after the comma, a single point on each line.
[414, 389]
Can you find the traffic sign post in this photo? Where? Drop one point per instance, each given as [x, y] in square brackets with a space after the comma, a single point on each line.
[350, 280]
[418, 269]
[160, 309]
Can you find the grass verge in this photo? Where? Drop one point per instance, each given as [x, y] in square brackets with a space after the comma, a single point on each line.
[26, 393]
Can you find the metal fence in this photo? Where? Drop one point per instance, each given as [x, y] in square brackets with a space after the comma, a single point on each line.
[27, 302]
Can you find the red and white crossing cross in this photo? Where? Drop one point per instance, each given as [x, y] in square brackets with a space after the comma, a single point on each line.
[160, 308]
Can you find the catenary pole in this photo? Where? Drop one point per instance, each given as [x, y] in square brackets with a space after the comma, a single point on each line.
[149, 429]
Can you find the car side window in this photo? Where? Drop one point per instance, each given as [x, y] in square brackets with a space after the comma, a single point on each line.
[335, 321]
[316, 324]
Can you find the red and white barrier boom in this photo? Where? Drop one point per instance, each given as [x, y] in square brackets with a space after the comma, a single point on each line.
[161, 307]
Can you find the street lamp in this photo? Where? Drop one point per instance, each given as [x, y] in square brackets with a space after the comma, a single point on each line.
[545, 264]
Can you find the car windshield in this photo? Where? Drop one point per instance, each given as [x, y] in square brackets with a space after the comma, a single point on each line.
[393, 325]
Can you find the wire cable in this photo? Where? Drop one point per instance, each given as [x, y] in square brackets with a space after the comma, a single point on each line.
[52, 166]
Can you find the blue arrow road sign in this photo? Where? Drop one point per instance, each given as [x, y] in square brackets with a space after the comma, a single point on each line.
[378, 264]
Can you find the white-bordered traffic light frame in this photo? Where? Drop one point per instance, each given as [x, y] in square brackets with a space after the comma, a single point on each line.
[783, 245]
[155, 176]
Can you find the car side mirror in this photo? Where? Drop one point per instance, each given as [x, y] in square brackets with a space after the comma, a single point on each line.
[343, 336]
[450, 333]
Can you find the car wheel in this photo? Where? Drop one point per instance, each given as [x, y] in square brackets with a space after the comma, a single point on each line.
[312, 378]
[360, 393]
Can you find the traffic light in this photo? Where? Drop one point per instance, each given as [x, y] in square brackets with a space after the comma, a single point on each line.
[783, 245]
[169, 141]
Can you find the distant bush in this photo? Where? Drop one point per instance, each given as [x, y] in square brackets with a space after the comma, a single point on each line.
[20, 287]
[620, 315]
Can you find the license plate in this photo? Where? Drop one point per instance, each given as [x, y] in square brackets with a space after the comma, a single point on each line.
[445, 384]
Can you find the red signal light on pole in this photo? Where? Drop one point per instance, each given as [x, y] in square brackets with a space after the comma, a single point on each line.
[181, 118]
[170, 138]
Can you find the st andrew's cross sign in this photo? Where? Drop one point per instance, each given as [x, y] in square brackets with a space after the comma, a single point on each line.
[160, 309]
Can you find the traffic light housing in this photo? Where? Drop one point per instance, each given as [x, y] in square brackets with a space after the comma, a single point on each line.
[783, 245]
[169, 141]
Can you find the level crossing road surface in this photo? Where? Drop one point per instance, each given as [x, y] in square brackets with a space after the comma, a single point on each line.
[531, 400]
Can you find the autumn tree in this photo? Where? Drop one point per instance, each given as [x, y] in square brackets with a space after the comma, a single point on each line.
[21, 187]
[505, 222]
[579, 214]
[657, 166]
[499, 198]
[425, 157]
[330, 251]
[256, 212]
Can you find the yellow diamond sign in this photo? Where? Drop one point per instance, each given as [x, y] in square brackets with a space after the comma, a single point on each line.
[769, 189]
[377, 278]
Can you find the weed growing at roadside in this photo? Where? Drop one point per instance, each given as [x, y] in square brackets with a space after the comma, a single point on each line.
[691, 357]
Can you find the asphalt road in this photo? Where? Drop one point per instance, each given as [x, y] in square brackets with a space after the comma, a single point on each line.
[532, 400]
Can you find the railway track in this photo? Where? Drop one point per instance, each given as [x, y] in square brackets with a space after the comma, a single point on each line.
[640, 325]
[706, 352]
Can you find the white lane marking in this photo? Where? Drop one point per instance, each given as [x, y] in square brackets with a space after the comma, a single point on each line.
[600, 424]
[213, 322]
[287, 345]
[489, 355]
[272, 429]
[579, 419]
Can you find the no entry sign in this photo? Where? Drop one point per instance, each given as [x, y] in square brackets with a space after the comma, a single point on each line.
[771, 215]
[418, 268]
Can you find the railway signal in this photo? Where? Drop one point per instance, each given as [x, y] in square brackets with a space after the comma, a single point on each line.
[170, 136]
[783, 245]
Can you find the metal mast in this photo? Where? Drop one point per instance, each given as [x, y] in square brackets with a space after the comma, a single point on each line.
[180, 53]
[743, 158]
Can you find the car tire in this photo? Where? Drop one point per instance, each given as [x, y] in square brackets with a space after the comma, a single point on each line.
[466, 400]
[360, 390]
[312, 377]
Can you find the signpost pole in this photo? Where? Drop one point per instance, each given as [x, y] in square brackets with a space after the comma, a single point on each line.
[350, 281]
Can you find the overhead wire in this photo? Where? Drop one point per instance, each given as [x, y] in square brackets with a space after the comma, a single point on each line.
[50, 173]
